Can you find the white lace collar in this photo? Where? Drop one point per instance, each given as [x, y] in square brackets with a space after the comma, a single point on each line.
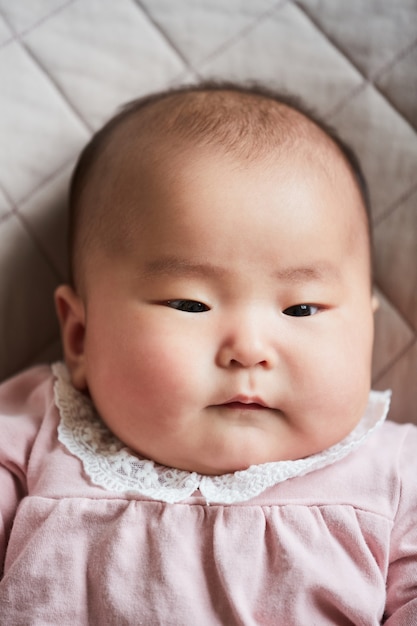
[113, 466]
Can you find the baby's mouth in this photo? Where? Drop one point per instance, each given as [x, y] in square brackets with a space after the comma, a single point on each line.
[244, 403]
[244, 406]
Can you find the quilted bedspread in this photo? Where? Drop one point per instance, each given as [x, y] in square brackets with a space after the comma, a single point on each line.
[66, 66]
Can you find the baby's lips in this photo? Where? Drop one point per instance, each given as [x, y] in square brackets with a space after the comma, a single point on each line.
[243, 400]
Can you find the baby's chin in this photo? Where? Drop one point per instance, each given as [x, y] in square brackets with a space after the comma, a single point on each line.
[222, 464]
[221, 467]
[229, 454]
[208, 467]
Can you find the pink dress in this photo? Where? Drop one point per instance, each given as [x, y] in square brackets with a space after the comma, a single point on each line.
[91, 534]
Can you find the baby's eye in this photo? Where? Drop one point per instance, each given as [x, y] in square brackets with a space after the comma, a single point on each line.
[189, 306]
[301, 310]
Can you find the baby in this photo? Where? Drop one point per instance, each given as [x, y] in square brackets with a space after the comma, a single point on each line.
[210, 453]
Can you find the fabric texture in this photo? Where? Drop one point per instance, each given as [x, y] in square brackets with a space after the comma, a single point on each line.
[336, 546]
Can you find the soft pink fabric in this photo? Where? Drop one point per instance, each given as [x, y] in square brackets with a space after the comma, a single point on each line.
[338, 546]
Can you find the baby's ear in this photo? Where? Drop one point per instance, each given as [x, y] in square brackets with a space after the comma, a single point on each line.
[71, 314]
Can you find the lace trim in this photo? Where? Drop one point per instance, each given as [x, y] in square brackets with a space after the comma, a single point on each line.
[111, 465]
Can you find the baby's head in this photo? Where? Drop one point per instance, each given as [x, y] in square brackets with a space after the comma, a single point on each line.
[220, 313]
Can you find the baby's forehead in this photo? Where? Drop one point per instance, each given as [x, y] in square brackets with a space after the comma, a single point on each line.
[300, 144]
[246, 123]
[246, 131]
[143, 140]
[163, 162]
[249, 130]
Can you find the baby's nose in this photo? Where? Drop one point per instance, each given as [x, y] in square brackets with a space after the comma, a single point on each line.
[247, 345]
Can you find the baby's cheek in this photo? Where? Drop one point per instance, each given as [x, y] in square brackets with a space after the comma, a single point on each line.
[336, 371]
[162, 373]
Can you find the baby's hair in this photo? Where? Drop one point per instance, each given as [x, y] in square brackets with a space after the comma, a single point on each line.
[247, 120]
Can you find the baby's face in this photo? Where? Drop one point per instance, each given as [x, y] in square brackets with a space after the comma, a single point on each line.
[238, 328]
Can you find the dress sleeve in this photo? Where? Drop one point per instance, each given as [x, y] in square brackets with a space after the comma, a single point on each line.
[401, 605]
[22, 401]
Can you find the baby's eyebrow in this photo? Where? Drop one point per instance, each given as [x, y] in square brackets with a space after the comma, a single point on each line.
[174, 266]
[320, 271]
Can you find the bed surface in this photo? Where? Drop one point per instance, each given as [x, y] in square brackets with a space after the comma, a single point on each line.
[66, 65]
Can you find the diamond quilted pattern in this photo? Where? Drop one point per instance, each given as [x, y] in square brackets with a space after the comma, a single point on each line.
[23, 16]
[5, 33]
[45, 213]
[199, 29]
[399, 286]
[5, 207]
[281, 50]
[393, 337]
[386, 144]
[32, 149]
[366, 31]
[401, 378]
[392, 81]
[102, 61]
